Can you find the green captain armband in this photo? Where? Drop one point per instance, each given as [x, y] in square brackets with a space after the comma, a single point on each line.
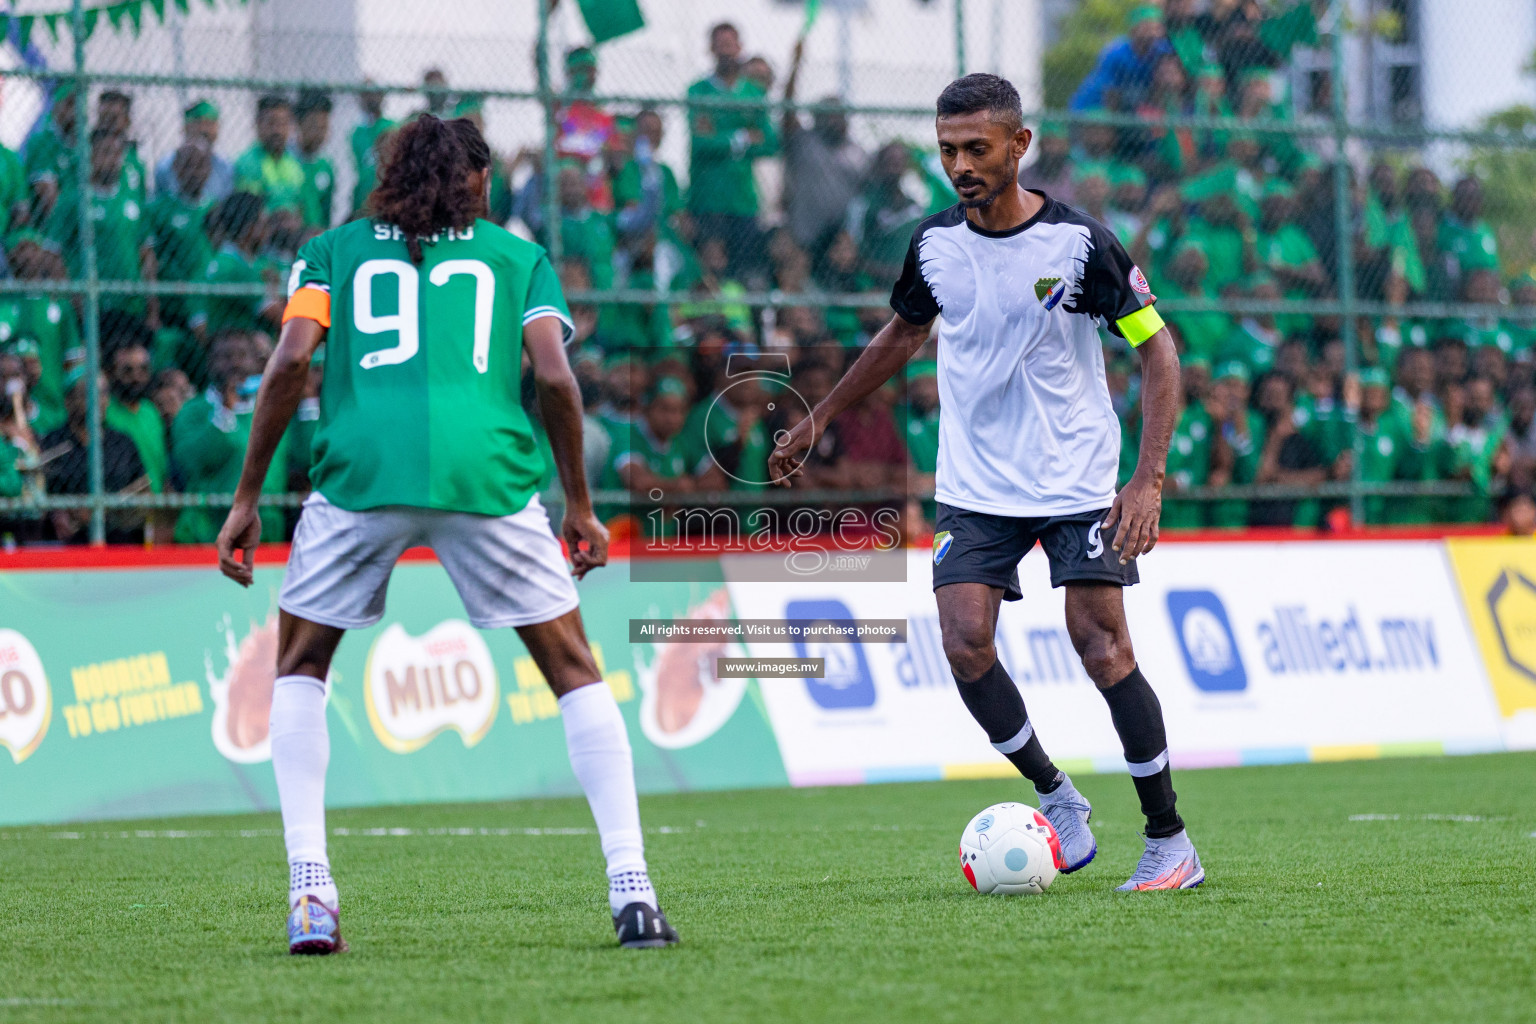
[1140, 325]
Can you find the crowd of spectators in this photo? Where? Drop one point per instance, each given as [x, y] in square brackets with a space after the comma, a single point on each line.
[797, 205]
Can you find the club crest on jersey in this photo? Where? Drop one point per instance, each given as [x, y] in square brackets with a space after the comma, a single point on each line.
[1050, 291]
[942, 542]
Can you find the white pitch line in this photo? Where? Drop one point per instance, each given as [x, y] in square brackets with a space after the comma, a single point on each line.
[269, 833]
[1425, 817]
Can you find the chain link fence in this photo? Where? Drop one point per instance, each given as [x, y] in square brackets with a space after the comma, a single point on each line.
[1330, 197]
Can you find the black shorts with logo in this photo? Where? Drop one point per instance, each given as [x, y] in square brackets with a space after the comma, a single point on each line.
[979, 547]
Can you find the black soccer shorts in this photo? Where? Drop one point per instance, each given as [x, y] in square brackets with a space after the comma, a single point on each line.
[978, 547]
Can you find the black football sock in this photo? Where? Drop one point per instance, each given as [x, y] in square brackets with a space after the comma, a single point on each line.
[1138, 718]
[996, 704]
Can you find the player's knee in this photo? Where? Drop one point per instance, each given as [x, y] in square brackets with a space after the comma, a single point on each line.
[303, 660]
[970, 652]
[1107, 658]
[570, 669]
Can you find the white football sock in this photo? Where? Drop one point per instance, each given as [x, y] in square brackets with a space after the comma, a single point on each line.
[301, 750]
[598, 745]
[308, 878]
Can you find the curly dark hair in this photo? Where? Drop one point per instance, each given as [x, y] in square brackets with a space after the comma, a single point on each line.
[424, 187]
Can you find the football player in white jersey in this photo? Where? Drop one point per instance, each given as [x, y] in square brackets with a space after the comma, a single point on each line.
[1028, 448]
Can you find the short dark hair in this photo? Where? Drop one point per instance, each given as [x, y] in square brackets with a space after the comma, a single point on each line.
[122, 331]
[272, 101]
[234, 214]
[982, 91]
[115, 96]
[722, 26]
[311, 100]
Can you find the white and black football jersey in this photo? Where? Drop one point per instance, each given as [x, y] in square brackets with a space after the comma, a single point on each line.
[1026, 427]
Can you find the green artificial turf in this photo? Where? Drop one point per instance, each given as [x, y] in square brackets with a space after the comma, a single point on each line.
[832, 904]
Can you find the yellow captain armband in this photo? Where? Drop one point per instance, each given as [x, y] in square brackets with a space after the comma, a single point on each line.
[312, 304]
[1140, 325]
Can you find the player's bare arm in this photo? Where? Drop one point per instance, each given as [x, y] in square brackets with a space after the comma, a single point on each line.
[560, 405]
[282, 388]
[1139, 504]
[887, 352]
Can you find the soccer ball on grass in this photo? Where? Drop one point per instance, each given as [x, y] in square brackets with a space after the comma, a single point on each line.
[1009, 849]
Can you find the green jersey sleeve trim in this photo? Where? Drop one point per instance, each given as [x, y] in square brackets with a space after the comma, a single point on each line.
[567, 329]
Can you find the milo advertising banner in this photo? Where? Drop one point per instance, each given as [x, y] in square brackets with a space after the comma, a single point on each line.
[128, 693]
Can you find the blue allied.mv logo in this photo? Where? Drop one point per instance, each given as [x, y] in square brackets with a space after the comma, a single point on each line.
[1205, 636]
[847, 682]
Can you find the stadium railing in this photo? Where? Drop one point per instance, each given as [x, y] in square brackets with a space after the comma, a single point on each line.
[1340, 132]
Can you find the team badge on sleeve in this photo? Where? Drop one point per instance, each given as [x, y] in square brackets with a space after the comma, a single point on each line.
[1140, 287]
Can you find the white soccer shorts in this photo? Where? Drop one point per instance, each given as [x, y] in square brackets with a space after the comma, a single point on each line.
[508, 570]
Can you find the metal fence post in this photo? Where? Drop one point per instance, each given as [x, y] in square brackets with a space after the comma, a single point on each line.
[959, 38]
[1344, 243]
[94, 411]
[547, 102]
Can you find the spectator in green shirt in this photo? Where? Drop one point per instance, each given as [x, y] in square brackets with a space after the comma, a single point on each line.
[1237, 442]
[369, 145]
[1189, 465]
[129, 410]
[1204, 332]
[1255, 340]
[209, 437]
[1092, 184]
[722, 193]
[1465, 240]
[585, 234]
[1481, 287]
[650, 456]
[237, 230]
[1472, 449]
[1520, 321]
[318, 193]
[114, 112]
[49, 154]
[1285, 251]
[1289, 457]
[1384, 451]
[123, 252]
[48, 323]
[1393, 267]
[725, 439]
[176, 230]
[1225, 231]
[15, 197]
[647, 198]
[268, 169]
[885, 215]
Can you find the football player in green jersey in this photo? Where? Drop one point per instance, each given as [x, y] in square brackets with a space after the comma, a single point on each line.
[426, 310]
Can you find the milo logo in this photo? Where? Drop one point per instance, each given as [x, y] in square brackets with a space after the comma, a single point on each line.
[26, 703]
[417, 687]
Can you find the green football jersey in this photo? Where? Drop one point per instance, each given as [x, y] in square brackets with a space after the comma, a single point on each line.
[421, 401]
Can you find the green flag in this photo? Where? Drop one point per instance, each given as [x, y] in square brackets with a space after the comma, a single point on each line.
[812, 9]
[609, 19]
